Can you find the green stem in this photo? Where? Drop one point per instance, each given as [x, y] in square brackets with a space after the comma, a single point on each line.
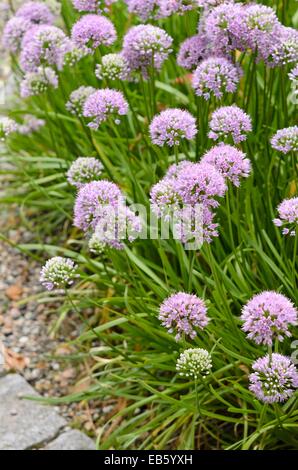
[197, 397]
[176, 154]
[200, 127]
[145, 98]
[270, 353]
[192, 257]
[230, 218]
[294, 261]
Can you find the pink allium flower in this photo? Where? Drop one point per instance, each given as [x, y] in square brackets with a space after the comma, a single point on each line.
[215, 75]
[229, 161]
[36, 12]
[84, 170]
[114, 226]
[96, 6]
[58, 273]
[91, 31]
[224, 26]
[200, 184]
[103, 104]
[194, 225]
[181, 313]
[192, 51]
[29, 35]
[169, 7]
[35, 83]
[170, 199]
[260, 27]
[286, 140]
[273, 380]
[90, 199]
[13, 33]
[164, 198]
[144, 9]
[171, 126]
[175, 169]
[78, 98]
[47, 46]
[145, 46]
[267, 316]
[293, 75]
[288, 216]
[230, 120]
[284, 49]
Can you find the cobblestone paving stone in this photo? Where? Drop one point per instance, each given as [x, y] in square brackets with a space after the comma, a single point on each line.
[26, 424]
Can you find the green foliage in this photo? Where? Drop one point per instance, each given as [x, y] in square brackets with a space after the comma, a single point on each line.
[132, 357]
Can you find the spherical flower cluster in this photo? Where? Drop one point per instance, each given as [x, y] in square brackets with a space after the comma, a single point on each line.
[146, 46]
[286, 140]
[215, 76]
[175, 169]
[90, 198]
[46, 46]
[229, 161]
[171, 126]
[230, 120]
[77, 99]
[267, 316]
[293, 75]
[104, 104]
[181, 313]
[165, 198]
[186, 194]
[95, 244]
[284, 49]
[58, 273]
[29, 35]
[72, 53]
[13, 33]
[192, 51]
[36, 12]
[91, 31]
[260, 26]
[116, 224]
[223, 27]
[97, 6]
[7, 127]
[194, 363]
[274, 379]
[201, 184]
[194, 225]
[113, 67]
[288, 216]
[169, 7]
[144, 9]
[35, 83]
[84, 170]
[30, 124]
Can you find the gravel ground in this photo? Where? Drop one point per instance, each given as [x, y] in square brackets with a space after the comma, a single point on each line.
[26, 329]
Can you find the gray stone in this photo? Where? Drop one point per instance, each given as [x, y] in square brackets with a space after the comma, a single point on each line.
[2, 370]
[24, 423]
[71, 440]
